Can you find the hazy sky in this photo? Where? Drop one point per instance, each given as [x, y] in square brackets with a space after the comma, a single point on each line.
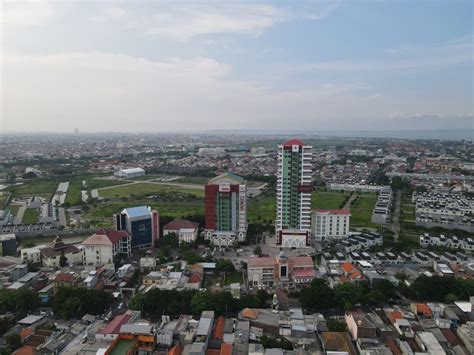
[183, 65]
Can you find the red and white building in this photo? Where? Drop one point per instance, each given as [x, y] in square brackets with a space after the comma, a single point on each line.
[330, 225]
[102, 247]
[280, 271]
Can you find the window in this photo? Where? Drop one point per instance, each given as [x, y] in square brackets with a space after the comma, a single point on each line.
[141, 227]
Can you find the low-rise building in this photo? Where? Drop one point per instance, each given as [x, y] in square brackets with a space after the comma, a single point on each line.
[104, 246]
[330, 225]
[280, 271]
[52, 254]
[186, 231]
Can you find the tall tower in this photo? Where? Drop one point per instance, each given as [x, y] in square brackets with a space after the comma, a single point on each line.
[294, 187]
[226, 209]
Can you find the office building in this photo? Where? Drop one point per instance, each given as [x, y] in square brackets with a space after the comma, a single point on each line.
[294, 187]
[330, 225]
[142, 223]
[8, 244]
[226, 209]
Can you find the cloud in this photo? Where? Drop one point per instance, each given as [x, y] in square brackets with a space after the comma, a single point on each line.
[445, 54]
[185, 22]
[108, 13]
[103, 92]
[25, 13]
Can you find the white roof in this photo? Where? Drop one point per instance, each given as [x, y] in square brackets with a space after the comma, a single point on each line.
[31, 319]
[132, 170]
[464, 306]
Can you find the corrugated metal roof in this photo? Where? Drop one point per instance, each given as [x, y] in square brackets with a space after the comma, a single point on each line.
[137, 211]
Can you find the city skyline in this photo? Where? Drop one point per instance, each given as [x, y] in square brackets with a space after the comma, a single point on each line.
[158, 67]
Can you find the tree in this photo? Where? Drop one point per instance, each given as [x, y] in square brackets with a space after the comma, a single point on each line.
[317, 297]
[450, 298]
[225, 265]
[335, 326]
[348, 294]
[257, 251]
[62, 260]
[13, 341]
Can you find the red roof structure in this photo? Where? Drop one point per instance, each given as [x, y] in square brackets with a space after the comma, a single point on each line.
[292, 142]
[180, 224]
[64, 277]
[114, 325]
[336, 211]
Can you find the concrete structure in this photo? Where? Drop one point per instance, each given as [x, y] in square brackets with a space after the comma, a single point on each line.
[5, 217]
[294, 188]
[454, 242]
[280, 271]
[328, 225]
[186, 231]
[129, 173]
[335, 186]
[104, 246]
[142, 223]
[226, 210]
[31, 255]
[8, 244]
[449, 211]
[381, 212]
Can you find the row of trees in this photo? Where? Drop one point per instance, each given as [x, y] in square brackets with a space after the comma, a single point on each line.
[319, 296]
[21, 302]
[73, 302]
[157, 302]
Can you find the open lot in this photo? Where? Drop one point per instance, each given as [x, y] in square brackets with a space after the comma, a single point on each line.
[43, 188]
[146, 188]
[31, 216]
[328, 200]
[362, 210]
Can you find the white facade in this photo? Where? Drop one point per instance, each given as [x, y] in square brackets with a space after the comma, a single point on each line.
[97, 254]
[130, 173]
[31, 255]
[185, 235]
[330, 224]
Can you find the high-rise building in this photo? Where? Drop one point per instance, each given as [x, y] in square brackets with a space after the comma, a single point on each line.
[226, 209]
[141, 223]
[294, 187]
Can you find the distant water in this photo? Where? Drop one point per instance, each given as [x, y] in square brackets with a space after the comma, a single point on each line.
[452, 135]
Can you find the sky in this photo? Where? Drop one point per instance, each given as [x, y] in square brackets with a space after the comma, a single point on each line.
[158, 66]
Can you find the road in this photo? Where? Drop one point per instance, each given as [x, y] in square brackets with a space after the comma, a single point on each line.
[396, 216]
[19, 214]
[347, 206]
[62, 216]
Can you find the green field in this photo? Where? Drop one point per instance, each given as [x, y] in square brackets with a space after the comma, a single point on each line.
[43, 188]
[143, 189]
[73, 196]
[31, 216]
[191, 180]
[97, 183]
[261, 208]
[3, 199]
[328, 200]
[361, 211]
[316, 143]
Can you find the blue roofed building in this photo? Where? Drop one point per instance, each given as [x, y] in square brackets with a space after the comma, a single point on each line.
[142, 223]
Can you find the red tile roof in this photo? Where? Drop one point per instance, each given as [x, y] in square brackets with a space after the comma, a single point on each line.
[218, 332]
[300, 261]
[226, 349]
[259, 262]
[114, 325]
[175, 350]
[293, 142]
[194, 278]
[336, 211]
[25, 350]
[63, 277]
[304, 273]
[348, 267]
[180, 224]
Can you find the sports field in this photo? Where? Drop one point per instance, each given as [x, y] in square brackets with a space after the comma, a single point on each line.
[145, 188]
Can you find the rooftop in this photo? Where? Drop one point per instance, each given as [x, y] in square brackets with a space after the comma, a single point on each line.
[137, 211]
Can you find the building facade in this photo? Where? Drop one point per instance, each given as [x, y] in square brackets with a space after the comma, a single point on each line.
[51, 255]
[129, 173]
[142, 223]
[102, 247]
[294, 189]
[330, 224]
[280, 271]
[186, 231]
[226, 210]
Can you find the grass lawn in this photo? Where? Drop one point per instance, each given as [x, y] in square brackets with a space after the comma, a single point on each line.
[31, 216]
[230, 278]
[43, 188]
[73, 196]
[3, 199]
[142, 189]
[13, 209]
[263, 206]
[191, 180]
[96, 183]
[362, 211]
[327, 200]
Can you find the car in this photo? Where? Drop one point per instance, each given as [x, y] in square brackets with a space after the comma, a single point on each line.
[120, 306]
